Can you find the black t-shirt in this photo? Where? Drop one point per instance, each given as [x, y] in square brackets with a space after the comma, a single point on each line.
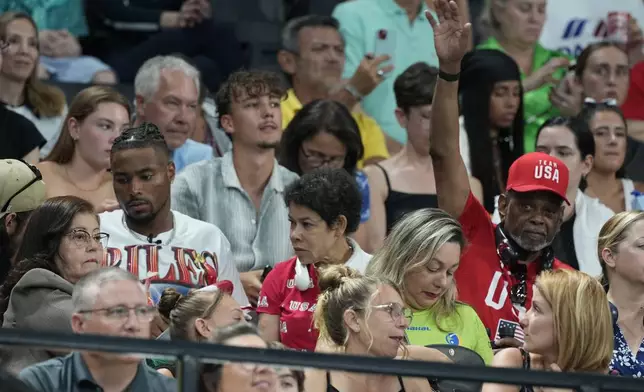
[564, 244]
[18, 135]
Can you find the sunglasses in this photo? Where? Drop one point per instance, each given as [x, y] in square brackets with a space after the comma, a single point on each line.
[37, 177]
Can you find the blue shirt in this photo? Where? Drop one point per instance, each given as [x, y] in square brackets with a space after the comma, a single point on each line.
[363, 186]
[191, 152]
[360, 21]
[624, 362]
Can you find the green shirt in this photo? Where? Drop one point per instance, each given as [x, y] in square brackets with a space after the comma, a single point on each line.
[536, 103]
[464, 328]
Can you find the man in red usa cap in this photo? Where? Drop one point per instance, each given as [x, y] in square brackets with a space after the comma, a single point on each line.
[498, 268]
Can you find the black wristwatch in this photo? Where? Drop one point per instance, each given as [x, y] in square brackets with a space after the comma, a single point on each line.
[448, 77]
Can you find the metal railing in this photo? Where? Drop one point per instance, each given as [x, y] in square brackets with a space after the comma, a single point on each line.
[190, 356]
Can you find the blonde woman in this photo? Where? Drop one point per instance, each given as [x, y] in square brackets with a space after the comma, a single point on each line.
[420, 257]
[621, 255]
[364, 316]
[195, 316]
[80, 160]
[568, 328]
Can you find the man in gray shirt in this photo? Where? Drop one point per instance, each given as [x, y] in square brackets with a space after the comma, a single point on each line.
[242, 192]
[108, 301]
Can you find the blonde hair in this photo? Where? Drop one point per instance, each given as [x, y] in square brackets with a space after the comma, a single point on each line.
[83, 105]
[45, 100]
[583, 328]
[343, 288]
[613, 233]
[182, 310]
[413, 242]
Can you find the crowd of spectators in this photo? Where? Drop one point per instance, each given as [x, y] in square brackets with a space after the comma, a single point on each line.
[402, 176]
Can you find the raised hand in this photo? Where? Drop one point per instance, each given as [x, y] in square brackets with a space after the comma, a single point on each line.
[451, 36]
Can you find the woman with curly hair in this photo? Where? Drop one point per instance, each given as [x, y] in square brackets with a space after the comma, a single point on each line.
[62, 243]
[324, 209]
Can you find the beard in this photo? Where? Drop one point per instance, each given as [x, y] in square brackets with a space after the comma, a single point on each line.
[532, 246]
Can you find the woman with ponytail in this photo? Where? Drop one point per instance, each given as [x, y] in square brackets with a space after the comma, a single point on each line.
[195, 317]
[621, 253]
[363, 316]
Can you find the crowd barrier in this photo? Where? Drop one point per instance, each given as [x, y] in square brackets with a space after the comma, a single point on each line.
[191, 355]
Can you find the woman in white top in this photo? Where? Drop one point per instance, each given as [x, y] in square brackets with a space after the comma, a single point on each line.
[606, 180]
[80, 160]
[20, 88]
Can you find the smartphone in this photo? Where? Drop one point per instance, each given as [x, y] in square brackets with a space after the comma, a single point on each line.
[385, 45]
[267, 269]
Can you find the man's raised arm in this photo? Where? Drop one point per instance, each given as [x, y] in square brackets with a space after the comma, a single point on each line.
[451, 39]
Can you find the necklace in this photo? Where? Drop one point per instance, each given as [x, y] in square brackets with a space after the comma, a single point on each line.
[69, 179]
[150, 238]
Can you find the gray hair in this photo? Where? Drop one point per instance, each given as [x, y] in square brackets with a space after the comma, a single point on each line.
[295, 25]
[89, 286]
[146, 82]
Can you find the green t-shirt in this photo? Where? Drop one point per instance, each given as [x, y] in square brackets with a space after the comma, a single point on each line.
[536, 103]
[464, 328]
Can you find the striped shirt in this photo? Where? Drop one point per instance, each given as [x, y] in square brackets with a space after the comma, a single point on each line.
[210, 191]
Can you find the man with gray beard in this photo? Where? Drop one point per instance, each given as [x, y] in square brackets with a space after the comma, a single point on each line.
[498, 269]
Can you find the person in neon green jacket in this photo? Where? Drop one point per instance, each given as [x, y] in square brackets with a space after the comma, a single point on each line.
[514, 27]
[419, 257]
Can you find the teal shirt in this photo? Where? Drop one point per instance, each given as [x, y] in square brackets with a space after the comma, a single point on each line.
[536, 103]
[52, 14]
[360, 20]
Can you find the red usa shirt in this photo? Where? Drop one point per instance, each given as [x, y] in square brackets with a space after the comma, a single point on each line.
[480, 279]
[279, 296]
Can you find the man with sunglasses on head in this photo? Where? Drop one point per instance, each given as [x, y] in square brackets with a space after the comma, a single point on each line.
[497, 271]
[21, 191]
[20, 137]
[108, 302]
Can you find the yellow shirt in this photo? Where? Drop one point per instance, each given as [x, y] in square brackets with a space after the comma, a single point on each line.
[373, 140]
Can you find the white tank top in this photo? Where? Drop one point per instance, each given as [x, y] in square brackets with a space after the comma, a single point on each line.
[629, 187]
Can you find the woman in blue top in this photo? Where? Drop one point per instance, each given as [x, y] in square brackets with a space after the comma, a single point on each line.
[621, 251]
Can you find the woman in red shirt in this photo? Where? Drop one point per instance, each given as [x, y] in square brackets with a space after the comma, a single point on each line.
[324, 209]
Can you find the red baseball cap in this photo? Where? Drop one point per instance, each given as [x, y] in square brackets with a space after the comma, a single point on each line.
[537, 171]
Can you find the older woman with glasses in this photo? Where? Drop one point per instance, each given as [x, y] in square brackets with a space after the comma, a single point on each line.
[324, 134]
[61, 244]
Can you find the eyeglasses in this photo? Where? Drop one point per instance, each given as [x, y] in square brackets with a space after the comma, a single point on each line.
[396, 311]
[315, 159]
[37, 177]
[81, 238]
[121, 313]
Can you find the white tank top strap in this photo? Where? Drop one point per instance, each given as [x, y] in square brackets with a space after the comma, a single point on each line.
[629, 187]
